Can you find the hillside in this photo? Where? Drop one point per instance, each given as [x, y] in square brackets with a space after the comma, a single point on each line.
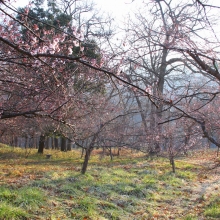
[131, 186]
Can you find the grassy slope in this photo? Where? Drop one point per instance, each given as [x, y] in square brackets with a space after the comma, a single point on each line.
[130, 187]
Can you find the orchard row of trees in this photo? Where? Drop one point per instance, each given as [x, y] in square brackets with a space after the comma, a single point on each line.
[67, 72]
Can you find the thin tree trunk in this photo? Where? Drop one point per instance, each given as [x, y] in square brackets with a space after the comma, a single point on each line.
[41, 144]
[103, 152]
[111, 156]
[56, 144]
[52, 143]
[86, 160]
[172, 162]
[16, 141]
[88, 153]
[36, 142]
[30, 142]
[47, 143]
[118, 153]
[25, 142]
[187, 137]
[63, 144]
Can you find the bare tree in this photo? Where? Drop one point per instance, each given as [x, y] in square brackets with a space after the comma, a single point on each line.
[162, 53]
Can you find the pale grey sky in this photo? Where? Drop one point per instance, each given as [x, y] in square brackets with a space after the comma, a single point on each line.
[117, 8]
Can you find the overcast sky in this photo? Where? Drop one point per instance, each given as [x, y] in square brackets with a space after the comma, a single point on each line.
[117, 8]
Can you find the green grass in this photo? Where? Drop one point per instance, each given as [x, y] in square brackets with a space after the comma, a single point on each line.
[190, 217]
[30, 198]
[213, 209]
[9, 212]
[25, 196]
[129, 187]
[20, 203]
[187, 175]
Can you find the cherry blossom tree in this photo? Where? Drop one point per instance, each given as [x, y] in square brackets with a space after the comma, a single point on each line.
[163, 74]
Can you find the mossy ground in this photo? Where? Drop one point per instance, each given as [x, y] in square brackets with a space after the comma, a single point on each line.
[129, 187]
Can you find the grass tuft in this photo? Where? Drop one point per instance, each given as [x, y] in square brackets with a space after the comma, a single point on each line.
[30, 197]
[9, 212]
[213, 210]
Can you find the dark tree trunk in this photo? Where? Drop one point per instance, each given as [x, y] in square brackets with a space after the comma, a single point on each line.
[56, 143]
[103, 152]
[25, 142]
[86, 160]
[11, 141]
[172, 162]
[89, 151]
[16, 141]
[63, 144]
[111, 155]
[171, 154]
[52, 143]
[41, 144]
[47, 143]
[30, 142]
[185, 151]
[118, 153]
